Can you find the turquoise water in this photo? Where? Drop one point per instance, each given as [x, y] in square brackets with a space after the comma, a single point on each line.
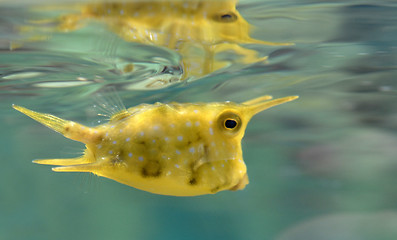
[321, 167]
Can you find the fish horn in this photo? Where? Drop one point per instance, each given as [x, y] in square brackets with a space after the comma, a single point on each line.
[69, 129]
[64, 161]
[257, 105]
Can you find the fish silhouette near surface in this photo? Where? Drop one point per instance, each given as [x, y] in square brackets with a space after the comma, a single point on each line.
[179, 149]
[208, 35]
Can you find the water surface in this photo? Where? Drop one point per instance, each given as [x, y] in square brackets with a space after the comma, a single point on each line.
[321, 167]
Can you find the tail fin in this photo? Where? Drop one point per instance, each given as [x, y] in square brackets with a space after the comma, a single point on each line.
[69, 129]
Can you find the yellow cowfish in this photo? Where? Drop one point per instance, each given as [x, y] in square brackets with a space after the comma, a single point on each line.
[179, 149]
[199, 30]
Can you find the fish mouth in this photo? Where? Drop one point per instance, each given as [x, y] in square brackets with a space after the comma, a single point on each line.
[241, 184]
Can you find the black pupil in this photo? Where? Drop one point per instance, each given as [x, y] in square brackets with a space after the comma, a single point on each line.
[229, 123]
[226, 16]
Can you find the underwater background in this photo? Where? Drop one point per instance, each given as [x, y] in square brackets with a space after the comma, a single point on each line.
[321, 167]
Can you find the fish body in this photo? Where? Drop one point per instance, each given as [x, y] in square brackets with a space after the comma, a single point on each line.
[199, 30]
[167, 23]
[208, 35]
[179, 149]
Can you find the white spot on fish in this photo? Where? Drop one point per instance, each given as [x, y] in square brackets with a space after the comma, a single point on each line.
[142, 133]
[110, 152]
[121, 130]
[166, 139]
[168, 173]
[140, 158]
[223, 165]
[177, 152]
[156, 127]
[192, 149]
[112, 126]
[210, 122]
[188, 124]
[154, 140]
[114, 142]
[106, 134]
[180, 138]
[211, 131]
[129, 154]
[195, 111]
[99, 146]
[213, 168]
[127, 139]
[197, 123]
[177, 166]
[172, 125]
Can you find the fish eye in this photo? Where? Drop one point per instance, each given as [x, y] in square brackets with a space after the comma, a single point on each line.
[229, 122]
[225, 17]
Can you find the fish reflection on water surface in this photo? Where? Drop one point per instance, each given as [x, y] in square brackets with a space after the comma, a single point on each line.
[207, 34]
[179, 149]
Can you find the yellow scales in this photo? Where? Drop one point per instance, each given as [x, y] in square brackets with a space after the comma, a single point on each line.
[180, 149]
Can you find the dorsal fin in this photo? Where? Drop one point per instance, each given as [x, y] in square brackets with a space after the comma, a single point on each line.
[120, 115]
[109, 104]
